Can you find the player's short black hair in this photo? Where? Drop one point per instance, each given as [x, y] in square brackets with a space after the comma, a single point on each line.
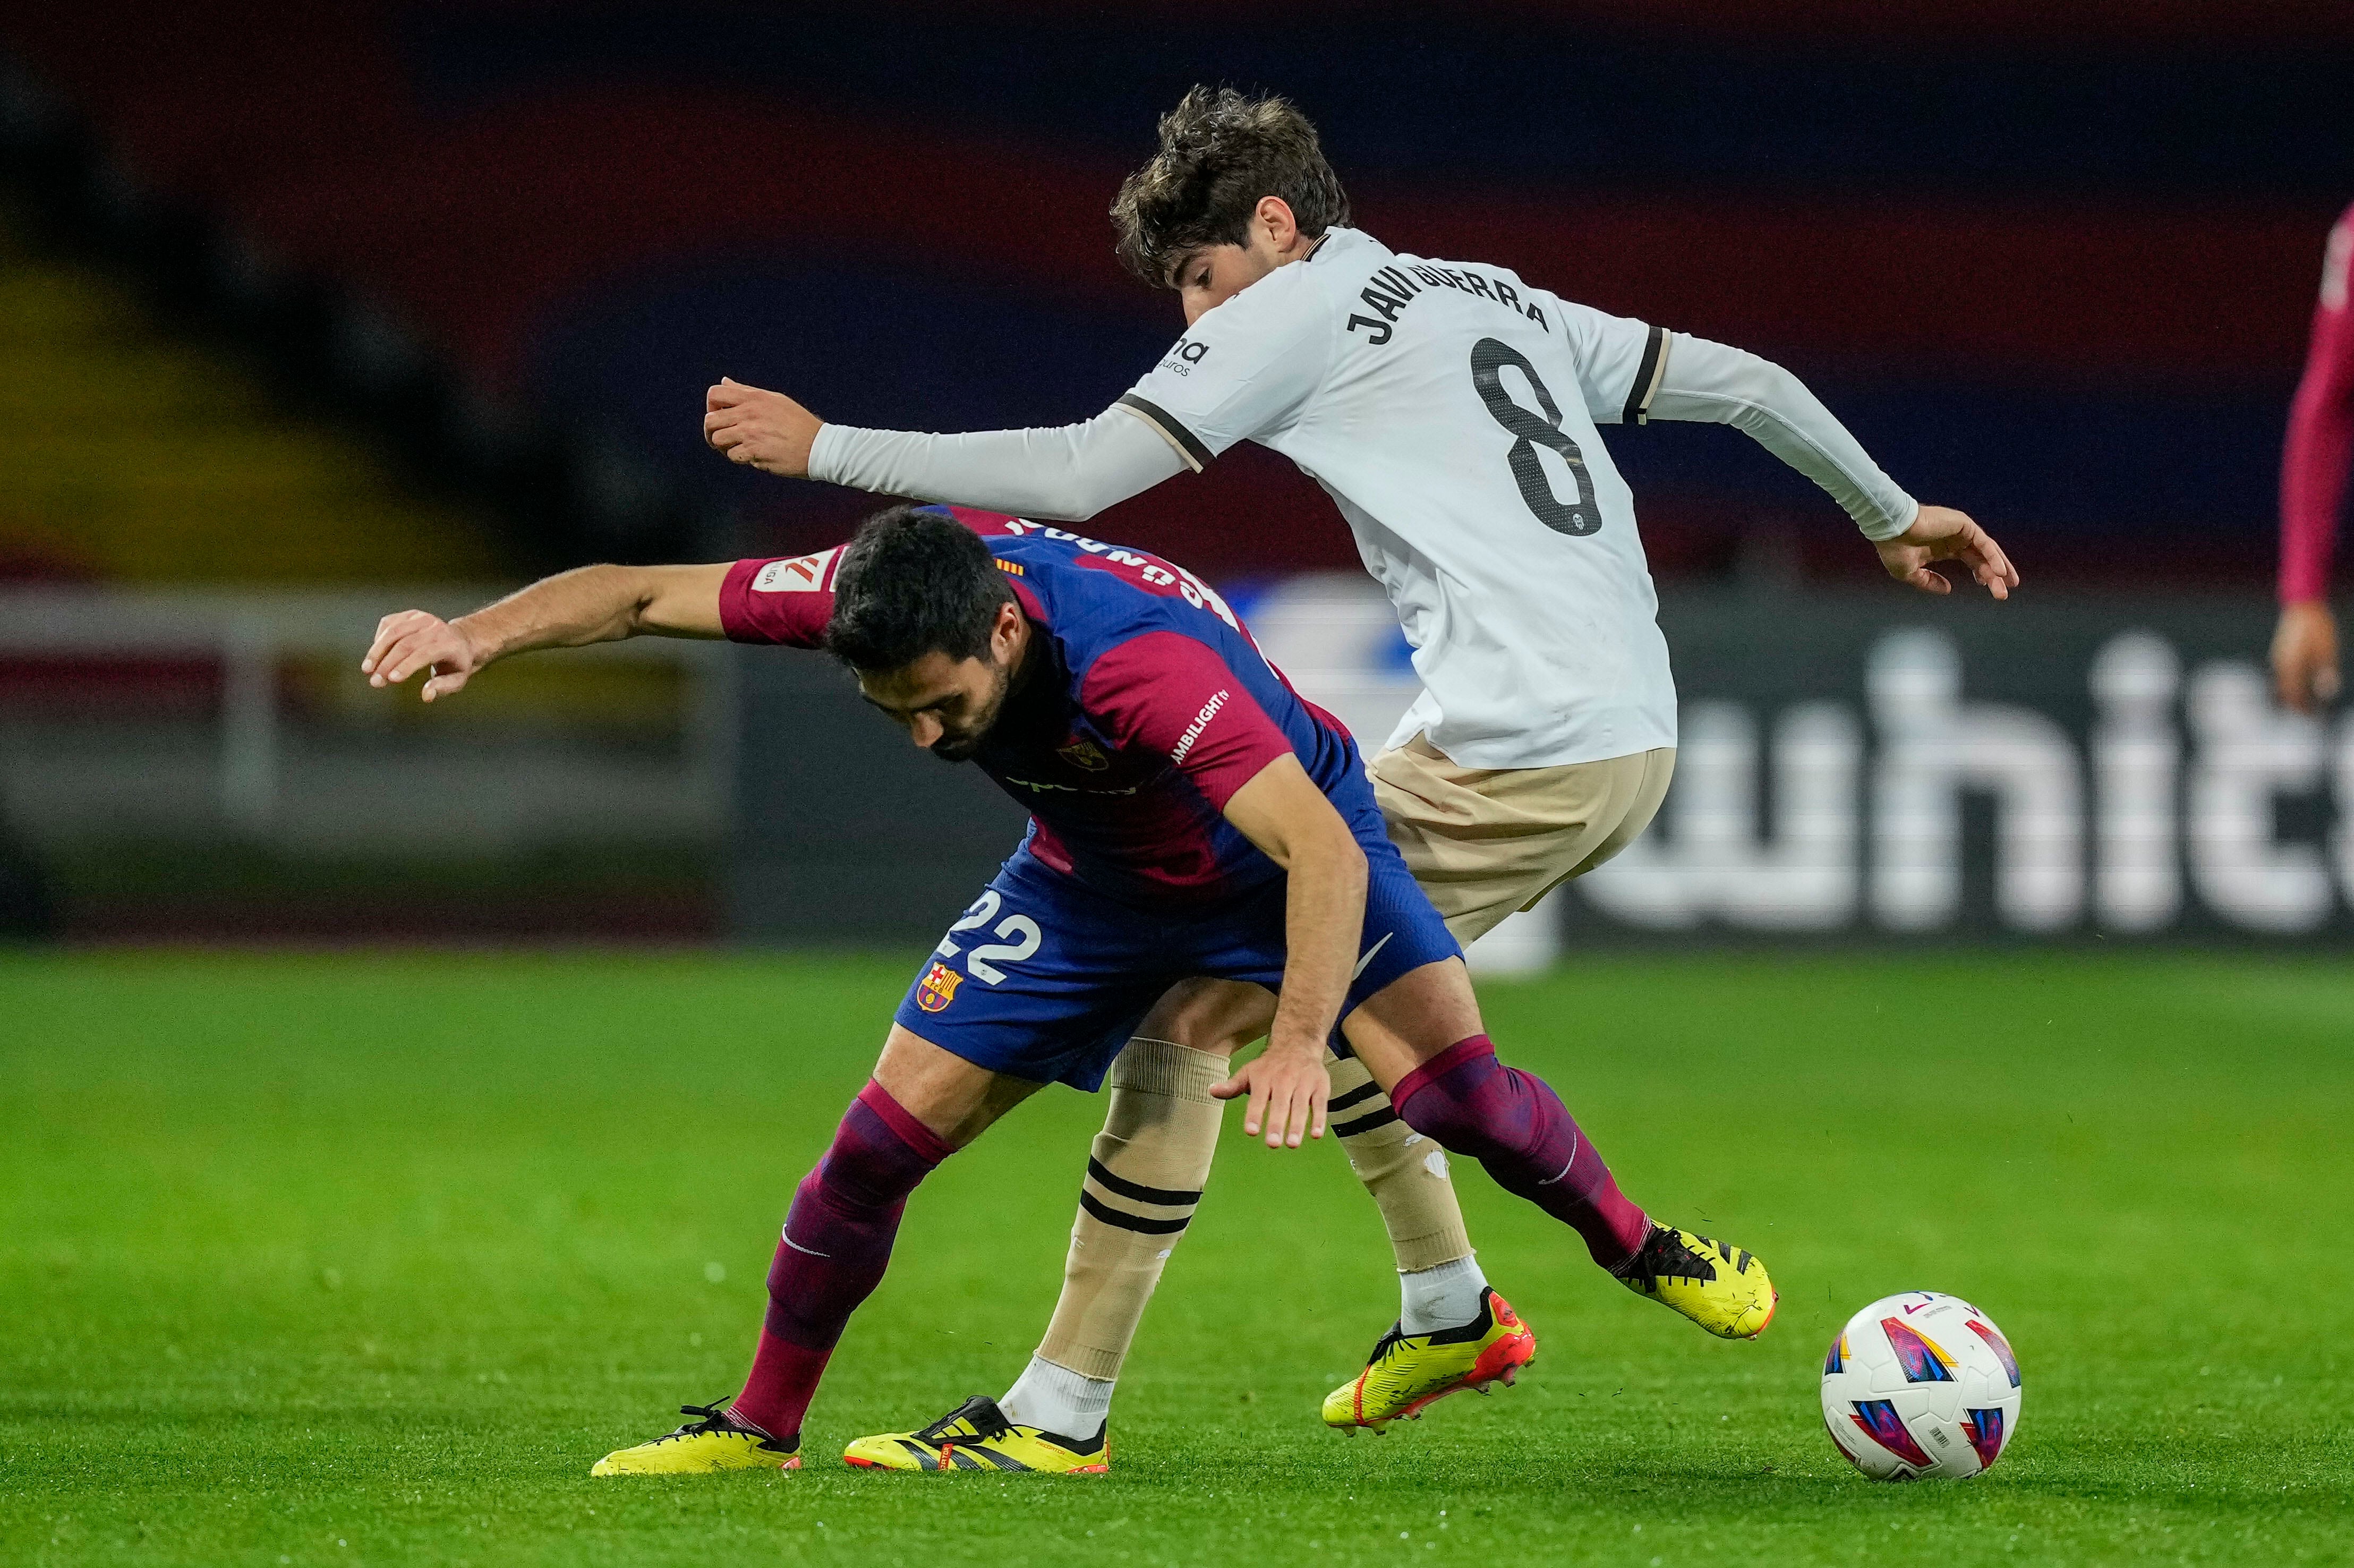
[911, 583]
[1221, 152]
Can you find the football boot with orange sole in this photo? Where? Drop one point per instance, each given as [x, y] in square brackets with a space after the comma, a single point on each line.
[1407, 1372]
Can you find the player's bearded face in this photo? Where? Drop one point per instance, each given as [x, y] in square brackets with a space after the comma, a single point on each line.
[968, 725]
[948, 706]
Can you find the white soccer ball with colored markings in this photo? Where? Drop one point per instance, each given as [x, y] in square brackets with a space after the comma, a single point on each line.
[1921, 1384]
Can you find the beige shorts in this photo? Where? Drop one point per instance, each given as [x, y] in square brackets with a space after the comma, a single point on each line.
[1485, 842]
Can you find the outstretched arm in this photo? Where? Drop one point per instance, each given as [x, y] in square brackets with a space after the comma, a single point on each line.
[1289, 817]
[1241, 369]
[2314, 464]
[1713, 384]
[571, 610]
[1067, 473]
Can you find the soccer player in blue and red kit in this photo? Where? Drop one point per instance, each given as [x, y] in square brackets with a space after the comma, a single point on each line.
[1193, 816]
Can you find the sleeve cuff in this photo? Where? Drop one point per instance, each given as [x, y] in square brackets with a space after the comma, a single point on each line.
[1880, 530]
[821, 453]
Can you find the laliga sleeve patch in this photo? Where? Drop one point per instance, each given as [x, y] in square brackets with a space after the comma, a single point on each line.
[799, 574]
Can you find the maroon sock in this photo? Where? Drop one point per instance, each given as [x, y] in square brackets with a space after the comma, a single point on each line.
[1516, 1127]
[837, 1242]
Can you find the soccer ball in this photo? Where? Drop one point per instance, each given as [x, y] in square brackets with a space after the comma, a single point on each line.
[1921, 1384]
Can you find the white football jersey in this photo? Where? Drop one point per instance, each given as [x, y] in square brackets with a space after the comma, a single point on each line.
[1450, 410]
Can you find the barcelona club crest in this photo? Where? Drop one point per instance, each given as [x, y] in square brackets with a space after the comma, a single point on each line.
[937, 988]
[1084, 754]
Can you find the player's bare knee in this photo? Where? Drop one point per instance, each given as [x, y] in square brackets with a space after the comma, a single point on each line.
[1413, 1019]
[1219, 1017]
[955, 1098]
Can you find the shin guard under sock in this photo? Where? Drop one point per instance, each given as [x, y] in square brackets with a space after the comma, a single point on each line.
[836, 1245]
[1144, 1176]
[1406, 1176]
[1516, 1127]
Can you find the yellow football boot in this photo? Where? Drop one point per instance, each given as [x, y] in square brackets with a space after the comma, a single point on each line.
[976, 1436]
[1406, 1371]
[1723, 1289]
[716, 1442]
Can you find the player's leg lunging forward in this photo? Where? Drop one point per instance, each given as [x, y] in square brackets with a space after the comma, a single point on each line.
[1483, 844]
[1143, 1179]
[1192, 816]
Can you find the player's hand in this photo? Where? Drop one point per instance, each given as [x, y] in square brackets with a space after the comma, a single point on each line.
[2304, 656]
[1287, 1087]
[1941, 533]
[766, 430]
[413, 641]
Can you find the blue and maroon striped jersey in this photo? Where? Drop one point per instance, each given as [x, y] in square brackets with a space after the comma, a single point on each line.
[1154, 708]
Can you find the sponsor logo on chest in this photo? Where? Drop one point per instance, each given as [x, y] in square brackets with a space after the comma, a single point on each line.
[1083, 753]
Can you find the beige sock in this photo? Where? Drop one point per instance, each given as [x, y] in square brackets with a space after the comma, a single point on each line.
[1149, 1162]
[1405, 1172]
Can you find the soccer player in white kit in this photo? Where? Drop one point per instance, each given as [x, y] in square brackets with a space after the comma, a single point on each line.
[1452, 412]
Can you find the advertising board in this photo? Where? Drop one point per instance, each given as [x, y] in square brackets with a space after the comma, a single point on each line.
[1858, 764]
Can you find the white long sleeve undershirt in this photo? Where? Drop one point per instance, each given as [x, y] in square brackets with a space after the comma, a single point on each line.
[1066, 474]
[1711, 384]
[1071, 473]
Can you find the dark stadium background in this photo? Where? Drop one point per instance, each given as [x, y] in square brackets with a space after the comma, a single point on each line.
[2053, 265]
[399, 1104]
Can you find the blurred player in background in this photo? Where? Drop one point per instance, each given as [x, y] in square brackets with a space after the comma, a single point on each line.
[1190, 816]
[1451, 412]
[2313, 488]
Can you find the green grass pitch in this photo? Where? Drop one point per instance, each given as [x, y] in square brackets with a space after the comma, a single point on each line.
[364, 1259]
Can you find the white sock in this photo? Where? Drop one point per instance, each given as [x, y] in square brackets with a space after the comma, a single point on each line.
[1058, 1400]
[1446, 1296]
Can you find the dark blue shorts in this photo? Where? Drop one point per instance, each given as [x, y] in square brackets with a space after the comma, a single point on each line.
[1045, 980]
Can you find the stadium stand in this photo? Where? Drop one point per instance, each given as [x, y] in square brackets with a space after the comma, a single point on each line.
[1996, 234]
[189, 561]
[2053, 264]
[137, 455]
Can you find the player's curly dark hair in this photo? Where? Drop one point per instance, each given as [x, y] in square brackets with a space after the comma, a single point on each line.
[913, 582]
[1220, 153]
